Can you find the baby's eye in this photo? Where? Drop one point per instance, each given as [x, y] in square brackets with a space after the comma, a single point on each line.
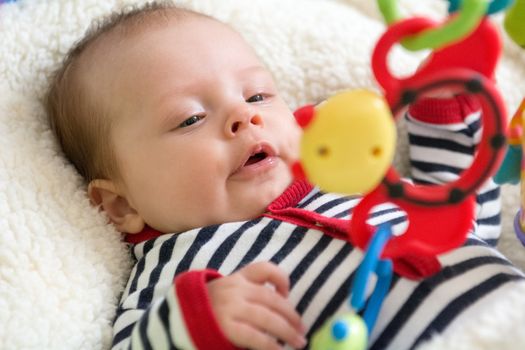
[255, 98]
[191, 120]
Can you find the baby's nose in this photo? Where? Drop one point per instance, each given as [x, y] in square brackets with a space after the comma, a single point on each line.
[242, 120]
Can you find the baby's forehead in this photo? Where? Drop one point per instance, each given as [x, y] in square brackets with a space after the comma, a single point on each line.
[105, 52]
[139, 43]
[116, 32]
[120, 57]
[110, 67]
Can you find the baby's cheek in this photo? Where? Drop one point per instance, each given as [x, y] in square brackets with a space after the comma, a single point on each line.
[294, 142]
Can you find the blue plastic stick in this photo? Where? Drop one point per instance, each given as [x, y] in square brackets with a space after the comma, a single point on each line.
[382, 268]
[384, 278]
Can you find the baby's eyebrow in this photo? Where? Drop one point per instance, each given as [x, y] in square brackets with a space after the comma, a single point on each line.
[257, 74]
[179, 89]
[166, 109]
[164, 104]
[254, 69]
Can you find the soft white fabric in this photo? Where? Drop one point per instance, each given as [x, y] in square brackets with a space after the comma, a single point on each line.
[61, 267]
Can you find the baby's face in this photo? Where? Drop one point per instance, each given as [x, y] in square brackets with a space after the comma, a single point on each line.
[201, 135]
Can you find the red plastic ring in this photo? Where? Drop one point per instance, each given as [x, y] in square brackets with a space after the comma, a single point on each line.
[438, 74]
[489, 151]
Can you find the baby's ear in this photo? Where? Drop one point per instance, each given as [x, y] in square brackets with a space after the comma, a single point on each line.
[105, 194]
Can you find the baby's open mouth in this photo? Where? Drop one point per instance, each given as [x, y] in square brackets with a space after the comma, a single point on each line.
[256, 158]
[260, 159]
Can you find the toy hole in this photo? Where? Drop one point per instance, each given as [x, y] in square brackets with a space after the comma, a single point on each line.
[377, 151]
[392, 213]
[396, 55]
[323, 151]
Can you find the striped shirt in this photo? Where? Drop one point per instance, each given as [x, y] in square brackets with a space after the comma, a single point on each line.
[165, 304]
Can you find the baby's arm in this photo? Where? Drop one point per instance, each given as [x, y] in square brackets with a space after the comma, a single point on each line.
[172, 320]
[443, 135]
[204, 310]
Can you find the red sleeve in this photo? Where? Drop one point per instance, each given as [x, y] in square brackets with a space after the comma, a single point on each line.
[195, 305]
[444, 110]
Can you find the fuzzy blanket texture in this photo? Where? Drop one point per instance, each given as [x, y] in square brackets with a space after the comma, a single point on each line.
[62, 267]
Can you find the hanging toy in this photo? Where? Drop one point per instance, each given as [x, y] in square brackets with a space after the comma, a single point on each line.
[468, 66]
[466, 49]
[348, 144]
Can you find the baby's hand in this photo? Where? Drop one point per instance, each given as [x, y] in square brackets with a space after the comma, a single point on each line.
[251, 314]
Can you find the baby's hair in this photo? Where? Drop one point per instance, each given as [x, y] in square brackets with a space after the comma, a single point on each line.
[81, 125]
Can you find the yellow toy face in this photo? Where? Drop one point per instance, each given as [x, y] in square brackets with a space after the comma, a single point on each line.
[349, 145]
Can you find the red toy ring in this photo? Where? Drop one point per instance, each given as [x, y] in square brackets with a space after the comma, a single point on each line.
[489, 152]
[437, 73]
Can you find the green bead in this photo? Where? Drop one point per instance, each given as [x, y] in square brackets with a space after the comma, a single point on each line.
[514, 22]
[345, 332]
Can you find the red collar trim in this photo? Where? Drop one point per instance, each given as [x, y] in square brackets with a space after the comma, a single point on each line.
[289, 198]
[145, 235]
[285, 209]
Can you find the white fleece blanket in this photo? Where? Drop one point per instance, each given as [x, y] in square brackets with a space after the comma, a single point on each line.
[61, 267]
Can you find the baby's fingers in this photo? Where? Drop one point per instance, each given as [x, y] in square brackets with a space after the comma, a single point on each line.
[270, 300]
[249, 337]
[268, 321]
[266, 272]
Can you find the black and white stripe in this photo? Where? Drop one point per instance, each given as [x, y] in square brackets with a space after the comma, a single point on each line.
[320, 270]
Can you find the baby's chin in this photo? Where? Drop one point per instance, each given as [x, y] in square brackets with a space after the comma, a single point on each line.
[257, 200]
[240, 204]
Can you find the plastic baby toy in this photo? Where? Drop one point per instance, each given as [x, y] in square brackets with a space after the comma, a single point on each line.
[353, 157]
[439, 215]
[338, 143]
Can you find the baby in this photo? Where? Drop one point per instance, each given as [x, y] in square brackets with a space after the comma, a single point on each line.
[185, 144]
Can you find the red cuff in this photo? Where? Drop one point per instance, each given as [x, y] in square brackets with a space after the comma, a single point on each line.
[444, 111]
[197, 311]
